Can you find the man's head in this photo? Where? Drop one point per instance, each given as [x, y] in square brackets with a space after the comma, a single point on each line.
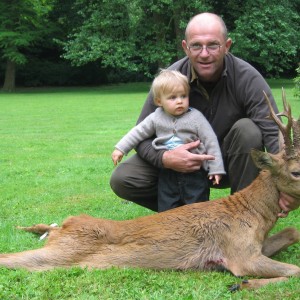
[206, 43]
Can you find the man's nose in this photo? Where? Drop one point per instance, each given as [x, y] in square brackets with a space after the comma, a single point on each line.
[204, 52]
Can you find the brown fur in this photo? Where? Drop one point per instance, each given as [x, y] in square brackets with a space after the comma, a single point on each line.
[230, 233]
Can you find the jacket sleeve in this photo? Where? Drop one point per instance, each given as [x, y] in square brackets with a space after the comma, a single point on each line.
[145, 149]
[208, 137]
[140, 132]
[258, 111]
[250, 87]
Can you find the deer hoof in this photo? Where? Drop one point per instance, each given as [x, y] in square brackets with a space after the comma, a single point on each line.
[238, 287]
[235, 287]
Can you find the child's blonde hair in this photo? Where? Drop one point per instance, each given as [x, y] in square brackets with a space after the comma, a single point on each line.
[165, 81]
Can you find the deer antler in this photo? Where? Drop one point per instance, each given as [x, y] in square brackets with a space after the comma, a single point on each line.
[295, 124]
[296, 134]
[286, 130]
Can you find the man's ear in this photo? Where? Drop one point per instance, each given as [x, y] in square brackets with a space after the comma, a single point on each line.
[184, 47]
[228, 44]
[262, 160]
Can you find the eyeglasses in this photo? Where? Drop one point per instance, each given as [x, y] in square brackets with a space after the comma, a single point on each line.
[211, 49]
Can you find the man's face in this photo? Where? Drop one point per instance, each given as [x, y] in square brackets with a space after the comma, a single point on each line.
[206, 47]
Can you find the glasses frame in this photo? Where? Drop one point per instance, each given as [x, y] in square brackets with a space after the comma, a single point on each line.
[209, 51]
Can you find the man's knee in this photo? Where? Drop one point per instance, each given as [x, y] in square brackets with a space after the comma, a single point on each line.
[246, 134]
[243, 136]
[134, 179]
[117, 181]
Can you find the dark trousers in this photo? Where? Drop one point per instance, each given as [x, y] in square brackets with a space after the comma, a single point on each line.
[136, 180]
[177, 189]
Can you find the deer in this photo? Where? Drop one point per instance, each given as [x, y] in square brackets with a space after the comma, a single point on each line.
[231, 233]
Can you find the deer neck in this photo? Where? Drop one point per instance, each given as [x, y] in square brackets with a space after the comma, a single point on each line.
[263, 196]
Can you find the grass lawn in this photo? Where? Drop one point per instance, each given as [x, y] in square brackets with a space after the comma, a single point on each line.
[55, 147]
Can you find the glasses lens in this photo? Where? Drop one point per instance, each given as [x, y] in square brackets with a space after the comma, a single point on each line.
[213, 48]
[199, 48]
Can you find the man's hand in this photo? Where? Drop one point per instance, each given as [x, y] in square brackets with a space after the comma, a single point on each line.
[287, 203]
[181, 160]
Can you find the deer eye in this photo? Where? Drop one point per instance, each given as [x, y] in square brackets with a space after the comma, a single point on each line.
[296, 174]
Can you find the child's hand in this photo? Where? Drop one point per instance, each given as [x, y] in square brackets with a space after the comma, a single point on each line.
[215, 178]
[117, 156]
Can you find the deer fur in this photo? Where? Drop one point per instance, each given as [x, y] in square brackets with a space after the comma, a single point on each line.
[229, 233]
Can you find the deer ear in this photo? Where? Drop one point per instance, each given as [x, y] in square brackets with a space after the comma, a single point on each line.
[262, 160]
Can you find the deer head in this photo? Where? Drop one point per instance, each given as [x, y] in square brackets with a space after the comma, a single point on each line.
[290, 131]
[284, 166]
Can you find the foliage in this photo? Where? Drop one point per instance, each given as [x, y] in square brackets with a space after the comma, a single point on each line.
[45, 72]
[267, 35]
[22, 25]
[104, 34]
[143, 36]
[230, 10]
[297, 83]
[137, 36]
[131, 40]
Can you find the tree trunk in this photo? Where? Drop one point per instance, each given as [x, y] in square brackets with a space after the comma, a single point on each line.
[179, 33]
[10, 76]
[160, 36]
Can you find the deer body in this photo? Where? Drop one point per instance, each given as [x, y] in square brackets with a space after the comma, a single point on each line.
[229, 233]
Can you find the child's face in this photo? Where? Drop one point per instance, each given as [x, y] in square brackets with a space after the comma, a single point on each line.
[175, 102]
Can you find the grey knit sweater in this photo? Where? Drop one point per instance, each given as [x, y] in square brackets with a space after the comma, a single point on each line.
[188, 127]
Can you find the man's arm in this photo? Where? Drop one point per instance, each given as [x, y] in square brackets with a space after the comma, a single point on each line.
[182, 160]
[249, 88]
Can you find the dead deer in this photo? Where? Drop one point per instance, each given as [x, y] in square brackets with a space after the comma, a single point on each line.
[229, 233]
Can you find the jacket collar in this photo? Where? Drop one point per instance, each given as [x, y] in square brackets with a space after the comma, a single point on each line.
[194, 76]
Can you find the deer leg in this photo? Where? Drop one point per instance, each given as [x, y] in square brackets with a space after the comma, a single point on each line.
[280, 241]
[263, 266]
[37, 260]
[255, 283]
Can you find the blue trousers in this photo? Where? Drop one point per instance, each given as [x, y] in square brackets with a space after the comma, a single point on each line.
[177, 189]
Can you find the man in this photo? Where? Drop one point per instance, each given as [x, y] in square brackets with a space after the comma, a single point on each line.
[229, 92]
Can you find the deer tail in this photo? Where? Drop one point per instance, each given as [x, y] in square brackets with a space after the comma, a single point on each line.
[39, 228]
[45, 258]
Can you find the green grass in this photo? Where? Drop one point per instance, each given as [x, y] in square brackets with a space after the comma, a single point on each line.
[55, 147]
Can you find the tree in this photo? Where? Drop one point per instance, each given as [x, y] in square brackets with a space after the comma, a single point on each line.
[297, 83]
[22, 25]
[103, 33]
[162, 27]
[135, 36]
[267, 35]
[129, 40]
[229, 10]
